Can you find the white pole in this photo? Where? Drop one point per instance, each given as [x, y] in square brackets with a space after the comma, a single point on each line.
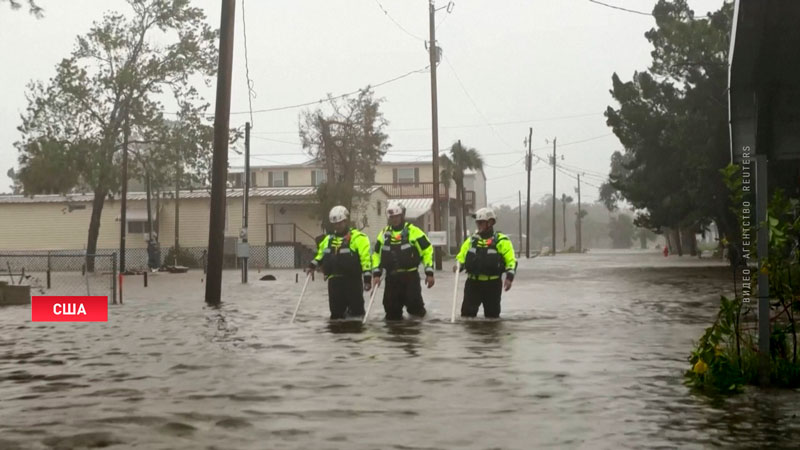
[455, 293]
[296, 308]
[369, 305]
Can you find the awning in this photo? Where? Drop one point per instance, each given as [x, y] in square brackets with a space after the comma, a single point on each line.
[417, 207]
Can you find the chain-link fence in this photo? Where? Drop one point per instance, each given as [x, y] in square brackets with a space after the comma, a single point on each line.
[61, 273]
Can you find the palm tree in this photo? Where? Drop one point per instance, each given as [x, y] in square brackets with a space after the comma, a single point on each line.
[464, 159]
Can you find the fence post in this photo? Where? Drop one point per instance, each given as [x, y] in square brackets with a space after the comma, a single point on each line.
[48, 269]
[145, 278]
[114, 277]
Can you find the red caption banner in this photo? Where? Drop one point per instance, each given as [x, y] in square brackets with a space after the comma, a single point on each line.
[56, 308]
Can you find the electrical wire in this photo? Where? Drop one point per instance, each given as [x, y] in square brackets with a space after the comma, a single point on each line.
[621, 9]
[386, 13]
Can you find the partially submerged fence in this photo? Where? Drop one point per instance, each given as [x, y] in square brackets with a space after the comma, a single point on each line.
[62, 273]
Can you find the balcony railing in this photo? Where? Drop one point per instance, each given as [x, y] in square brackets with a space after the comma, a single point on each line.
[421, 190]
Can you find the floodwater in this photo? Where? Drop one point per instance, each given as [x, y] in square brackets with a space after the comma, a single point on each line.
[589, 354]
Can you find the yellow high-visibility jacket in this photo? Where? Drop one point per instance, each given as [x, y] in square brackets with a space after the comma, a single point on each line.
[339, 260]
[410, 245]
[487, 259]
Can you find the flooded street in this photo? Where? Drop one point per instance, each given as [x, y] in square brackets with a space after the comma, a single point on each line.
[589, 354]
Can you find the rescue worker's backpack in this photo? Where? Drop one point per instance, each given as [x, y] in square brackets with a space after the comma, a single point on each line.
[485, 260]
[398, 256]
[340, 261]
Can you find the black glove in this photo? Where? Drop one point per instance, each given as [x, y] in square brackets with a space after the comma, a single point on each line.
[367, 281]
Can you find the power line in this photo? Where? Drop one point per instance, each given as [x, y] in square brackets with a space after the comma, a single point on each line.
[300, 105]
[621, 9]
[505, 167]
[586, 140]
[322, 100]
[474, 105]
[386, 13]
[482, 125]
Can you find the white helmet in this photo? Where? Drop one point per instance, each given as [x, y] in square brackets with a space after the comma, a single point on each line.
[338, 214]
[395, 208]
[485, 214]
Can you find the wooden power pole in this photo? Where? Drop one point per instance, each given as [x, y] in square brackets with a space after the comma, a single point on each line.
[219, 170]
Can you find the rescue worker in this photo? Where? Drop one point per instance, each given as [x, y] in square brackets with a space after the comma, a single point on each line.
[486, 256]
[399, 250]
[344, 258]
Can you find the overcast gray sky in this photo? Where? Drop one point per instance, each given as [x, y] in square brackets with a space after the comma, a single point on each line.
[507, 65]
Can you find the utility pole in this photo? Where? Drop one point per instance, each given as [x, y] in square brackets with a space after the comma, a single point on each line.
[149, 213]
[554, 197]
[245, 206]
[123, 219]
[578, 240]
[564, 217]
[528, 164]
[519, 252]
[177, 206]
[219, 170]
[433, 55]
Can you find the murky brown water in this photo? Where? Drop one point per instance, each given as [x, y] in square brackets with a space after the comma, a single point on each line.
[590, 354]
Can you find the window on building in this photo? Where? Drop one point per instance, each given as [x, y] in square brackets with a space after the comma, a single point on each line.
[380, 208]
[138, 227]
[253, 179]
[318, 176]
[236, 180]
[279, 179]
[406, 175]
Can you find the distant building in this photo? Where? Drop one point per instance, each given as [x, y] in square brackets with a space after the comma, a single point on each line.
[283, 218]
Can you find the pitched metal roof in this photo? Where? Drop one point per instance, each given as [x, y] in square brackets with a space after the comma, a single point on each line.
[293, 193]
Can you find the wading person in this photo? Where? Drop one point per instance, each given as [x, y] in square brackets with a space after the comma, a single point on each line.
[344, 258]
[399, 250]
[486, 256]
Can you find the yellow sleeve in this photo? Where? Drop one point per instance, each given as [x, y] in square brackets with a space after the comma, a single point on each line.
[462, 254]
[421, 240]
[506, 248]
[323, 244]
[376, 252]
[361, 243]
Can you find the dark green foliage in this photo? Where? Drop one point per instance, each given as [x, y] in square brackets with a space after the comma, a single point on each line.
[672, 122]
[726, 357]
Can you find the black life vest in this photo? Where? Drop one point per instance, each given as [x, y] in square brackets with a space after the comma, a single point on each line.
[401, 255]
[341, 260]
[485, 260]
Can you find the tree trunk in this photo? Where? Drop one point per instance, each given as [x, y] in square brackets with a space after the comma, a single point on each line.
[676, 241]
[94, 226]
[689, 241]
[460, 232]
